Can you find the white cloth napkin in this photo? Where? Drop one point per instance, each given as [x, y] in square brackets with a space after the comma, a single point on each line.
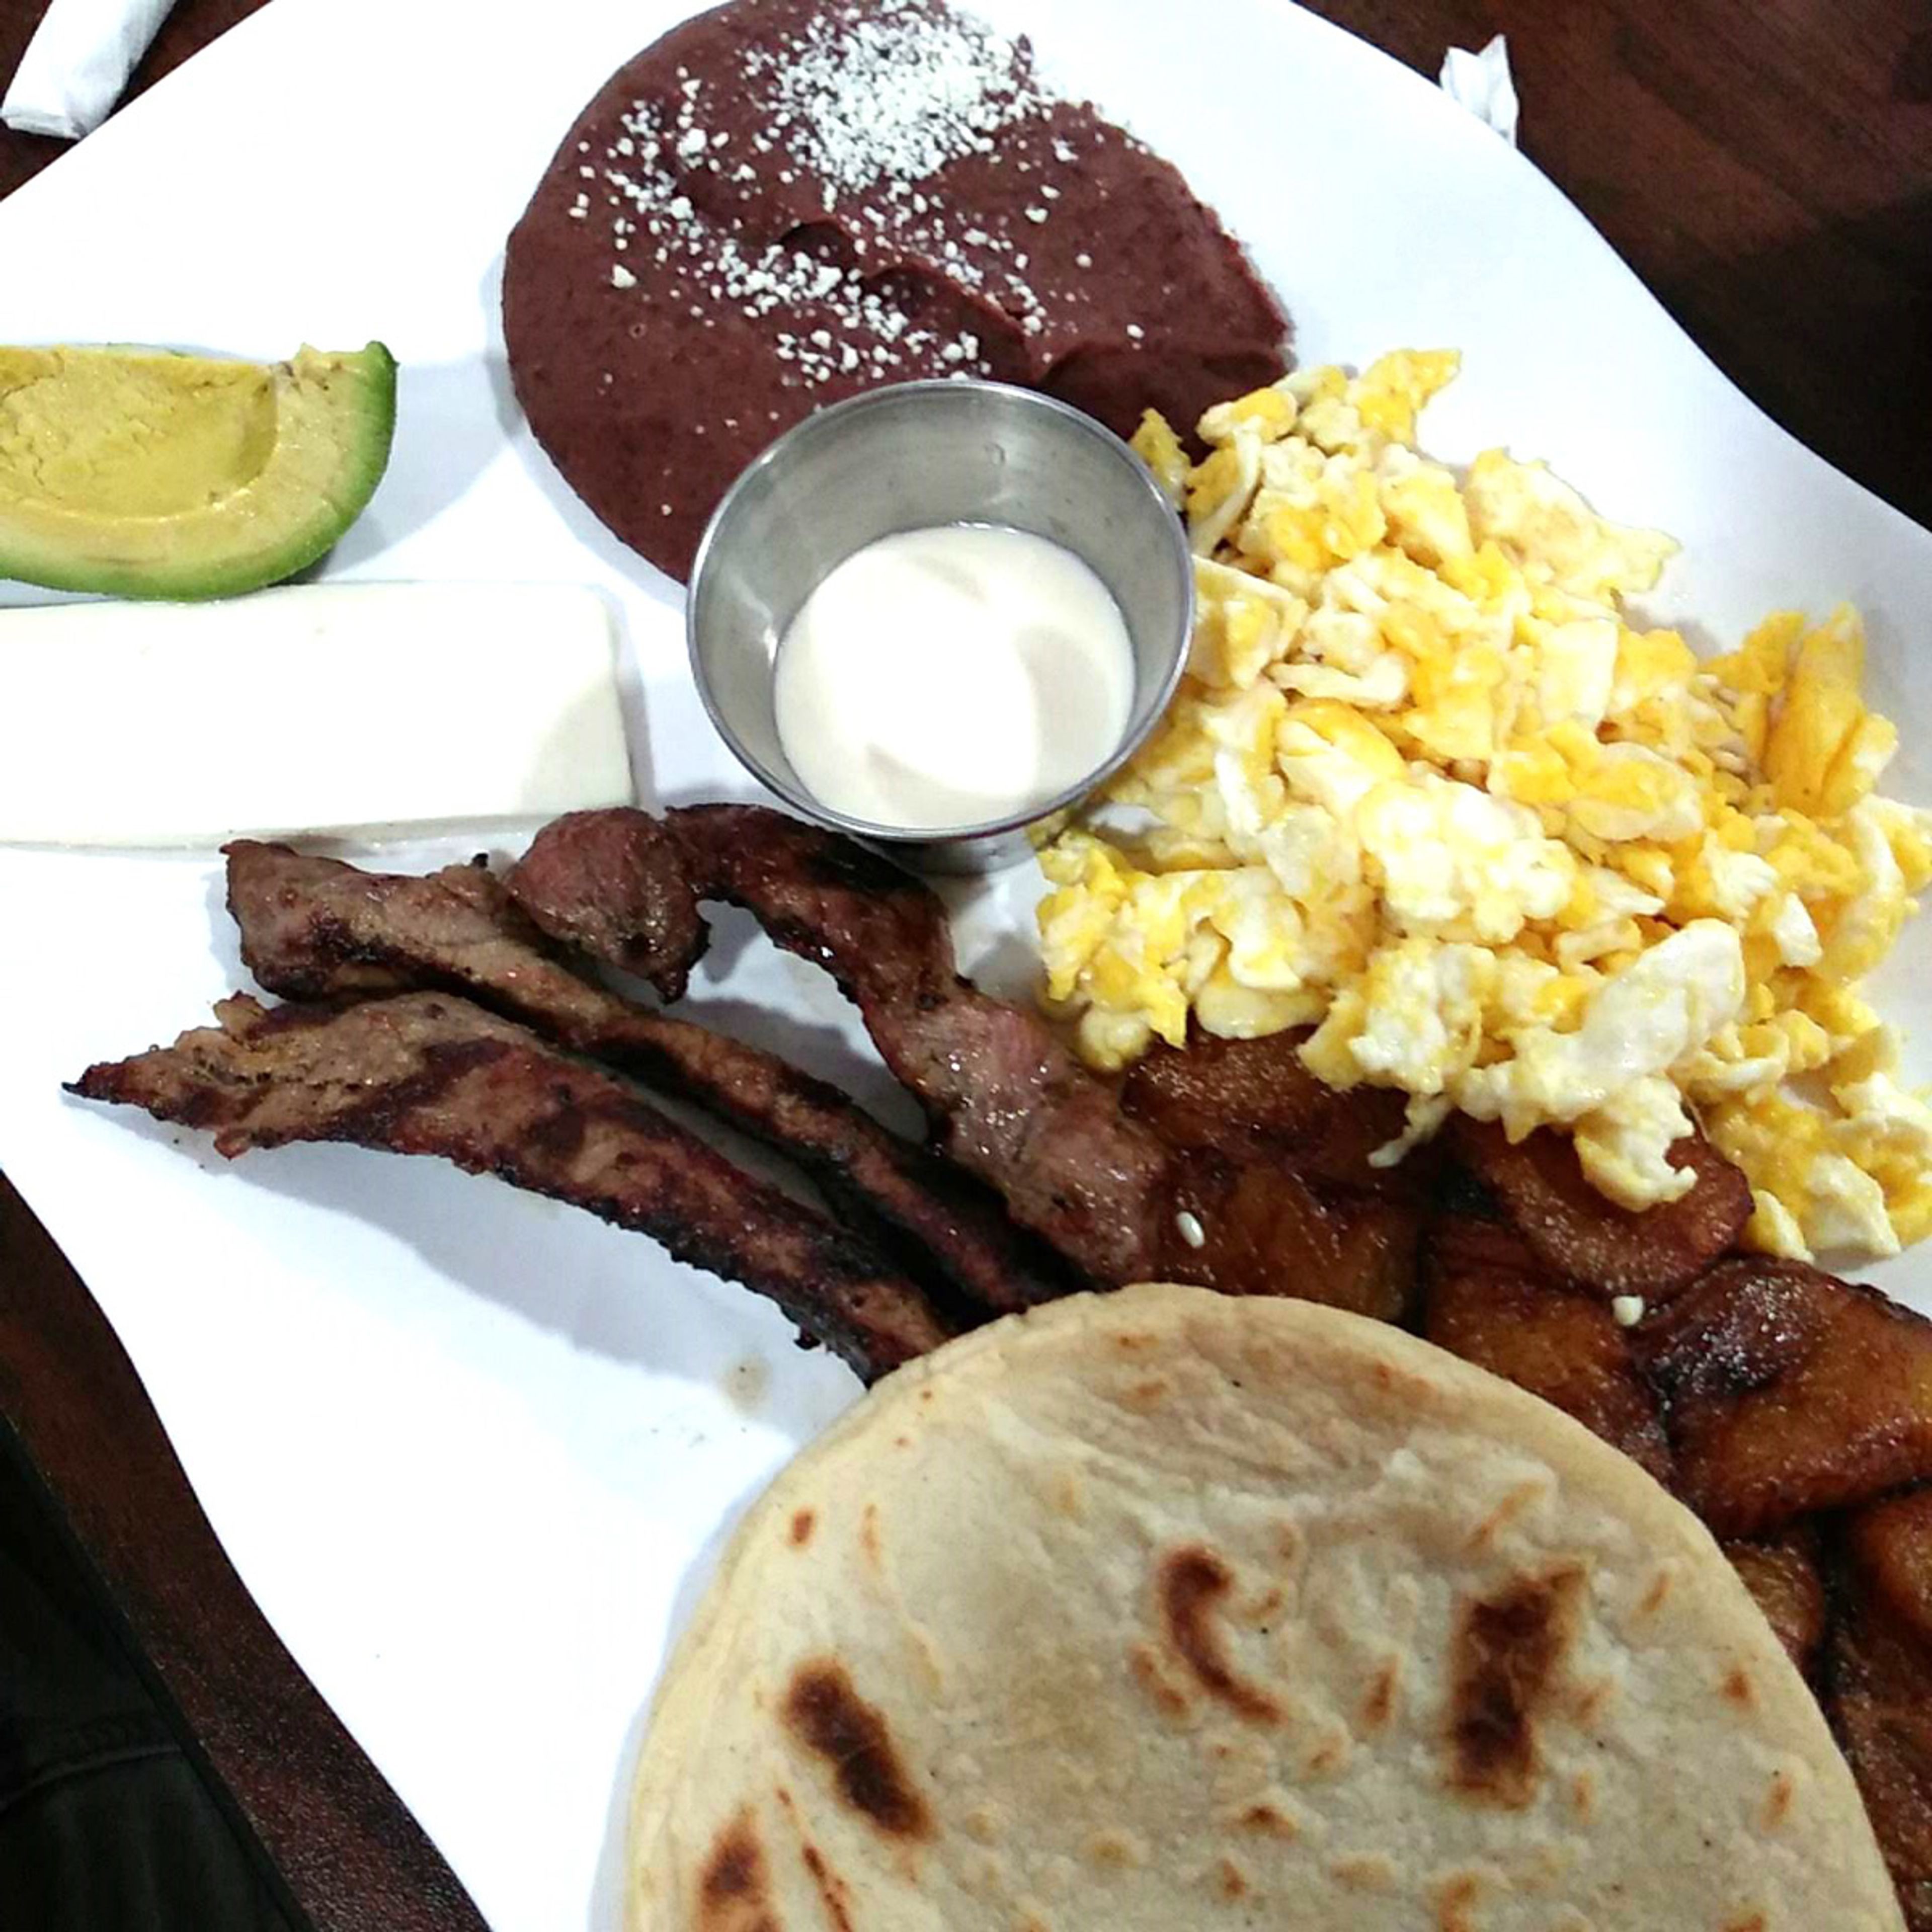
[1483, 84]
[77, 63]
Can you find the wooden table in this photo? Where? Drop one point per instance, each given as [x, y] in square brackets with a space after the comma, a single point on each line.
[1765, 165]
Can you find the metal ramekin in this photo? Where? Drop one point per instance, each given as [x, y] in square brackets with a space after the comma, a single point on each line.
[908, 456]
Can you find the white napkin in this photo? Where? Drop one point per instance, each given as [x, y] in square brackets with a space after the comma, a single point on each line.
[1483, 83]
[77, 63]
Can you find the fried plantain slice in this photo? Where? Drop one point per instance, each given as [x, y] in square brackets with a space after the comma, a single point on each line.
[1273, 1234]
[1485, 1299]
[1783, 1574]
[1879, 1691]
[1586, 1237]
[1247, 1098]
[1787, 1391]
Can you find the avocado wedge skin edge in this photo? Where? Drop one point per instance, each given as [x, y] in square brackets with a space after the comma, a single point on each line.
[333, 421]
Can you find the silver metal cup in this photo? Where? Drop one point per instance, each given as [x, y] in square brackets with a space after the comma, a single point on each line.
[909, 457]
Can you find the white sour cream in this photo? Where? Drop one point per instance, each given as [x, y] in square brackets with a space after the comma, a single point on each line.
[952, 676]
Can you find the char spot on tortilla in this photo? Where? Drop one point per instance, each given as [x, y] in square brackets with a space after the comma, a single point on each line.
[825, 1713]
[1234, 1882]
[1263, 1816]
[1455, 1901]
[1655, 1596]
[1120, 1849]
[1779, 1799]
[1588, 1701]
[1193, 1582]
[1508, 1654]
[1153, 1680]
[1522, 1497]
[732, 1887]
[1364, 1871]
[803, 1523]
[1378, 1706]
[1738, 1687]
[833, 1892]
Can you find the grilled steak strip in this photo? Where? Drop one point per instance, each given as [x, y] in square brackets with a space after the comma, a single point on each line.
[619, 895]
[1006, 1100]
[316, 928]
[428, 1073]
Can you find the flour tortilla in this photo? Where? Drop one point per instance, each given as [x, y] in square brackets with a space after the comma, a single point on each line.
[1161, 1610]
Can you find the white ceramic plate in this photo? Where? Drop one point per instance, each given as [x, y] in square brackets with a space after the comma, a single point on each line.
[467, 1448]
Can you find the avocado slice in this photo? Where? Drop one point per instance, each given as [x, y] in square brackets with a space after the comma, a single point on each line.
[143, 473]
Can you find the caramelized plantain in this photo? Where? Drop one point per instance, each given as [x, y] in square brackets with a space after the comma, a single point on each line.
[1889, 1546]
[1485, 1299]
[1878, 1692]
[1268, 1233]
[1250, 1099]
[1578, 1233]
[1786, 1391]
[1783, 1574]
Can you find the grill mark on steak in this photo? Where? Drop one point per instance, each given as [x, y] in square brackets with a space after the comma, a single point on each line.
[316, 928]
[427, 1073]
[1006, 1100]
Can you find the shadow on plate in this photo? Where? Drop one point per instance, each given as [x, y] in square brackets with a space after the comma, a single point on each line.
[608, 1887]
[607, 1293]
[446, 436]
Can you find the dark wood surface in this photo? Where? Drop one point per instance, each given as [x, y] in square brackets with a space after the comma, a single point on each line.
[1765, 165]
[351, 1855]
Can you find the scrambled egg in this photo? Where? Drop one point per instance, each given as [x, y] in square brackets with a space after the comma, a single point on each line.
[1426, 790]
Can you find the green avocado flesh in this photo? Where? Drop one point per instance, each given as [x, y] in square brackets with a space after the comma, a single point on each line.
[145, 474]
